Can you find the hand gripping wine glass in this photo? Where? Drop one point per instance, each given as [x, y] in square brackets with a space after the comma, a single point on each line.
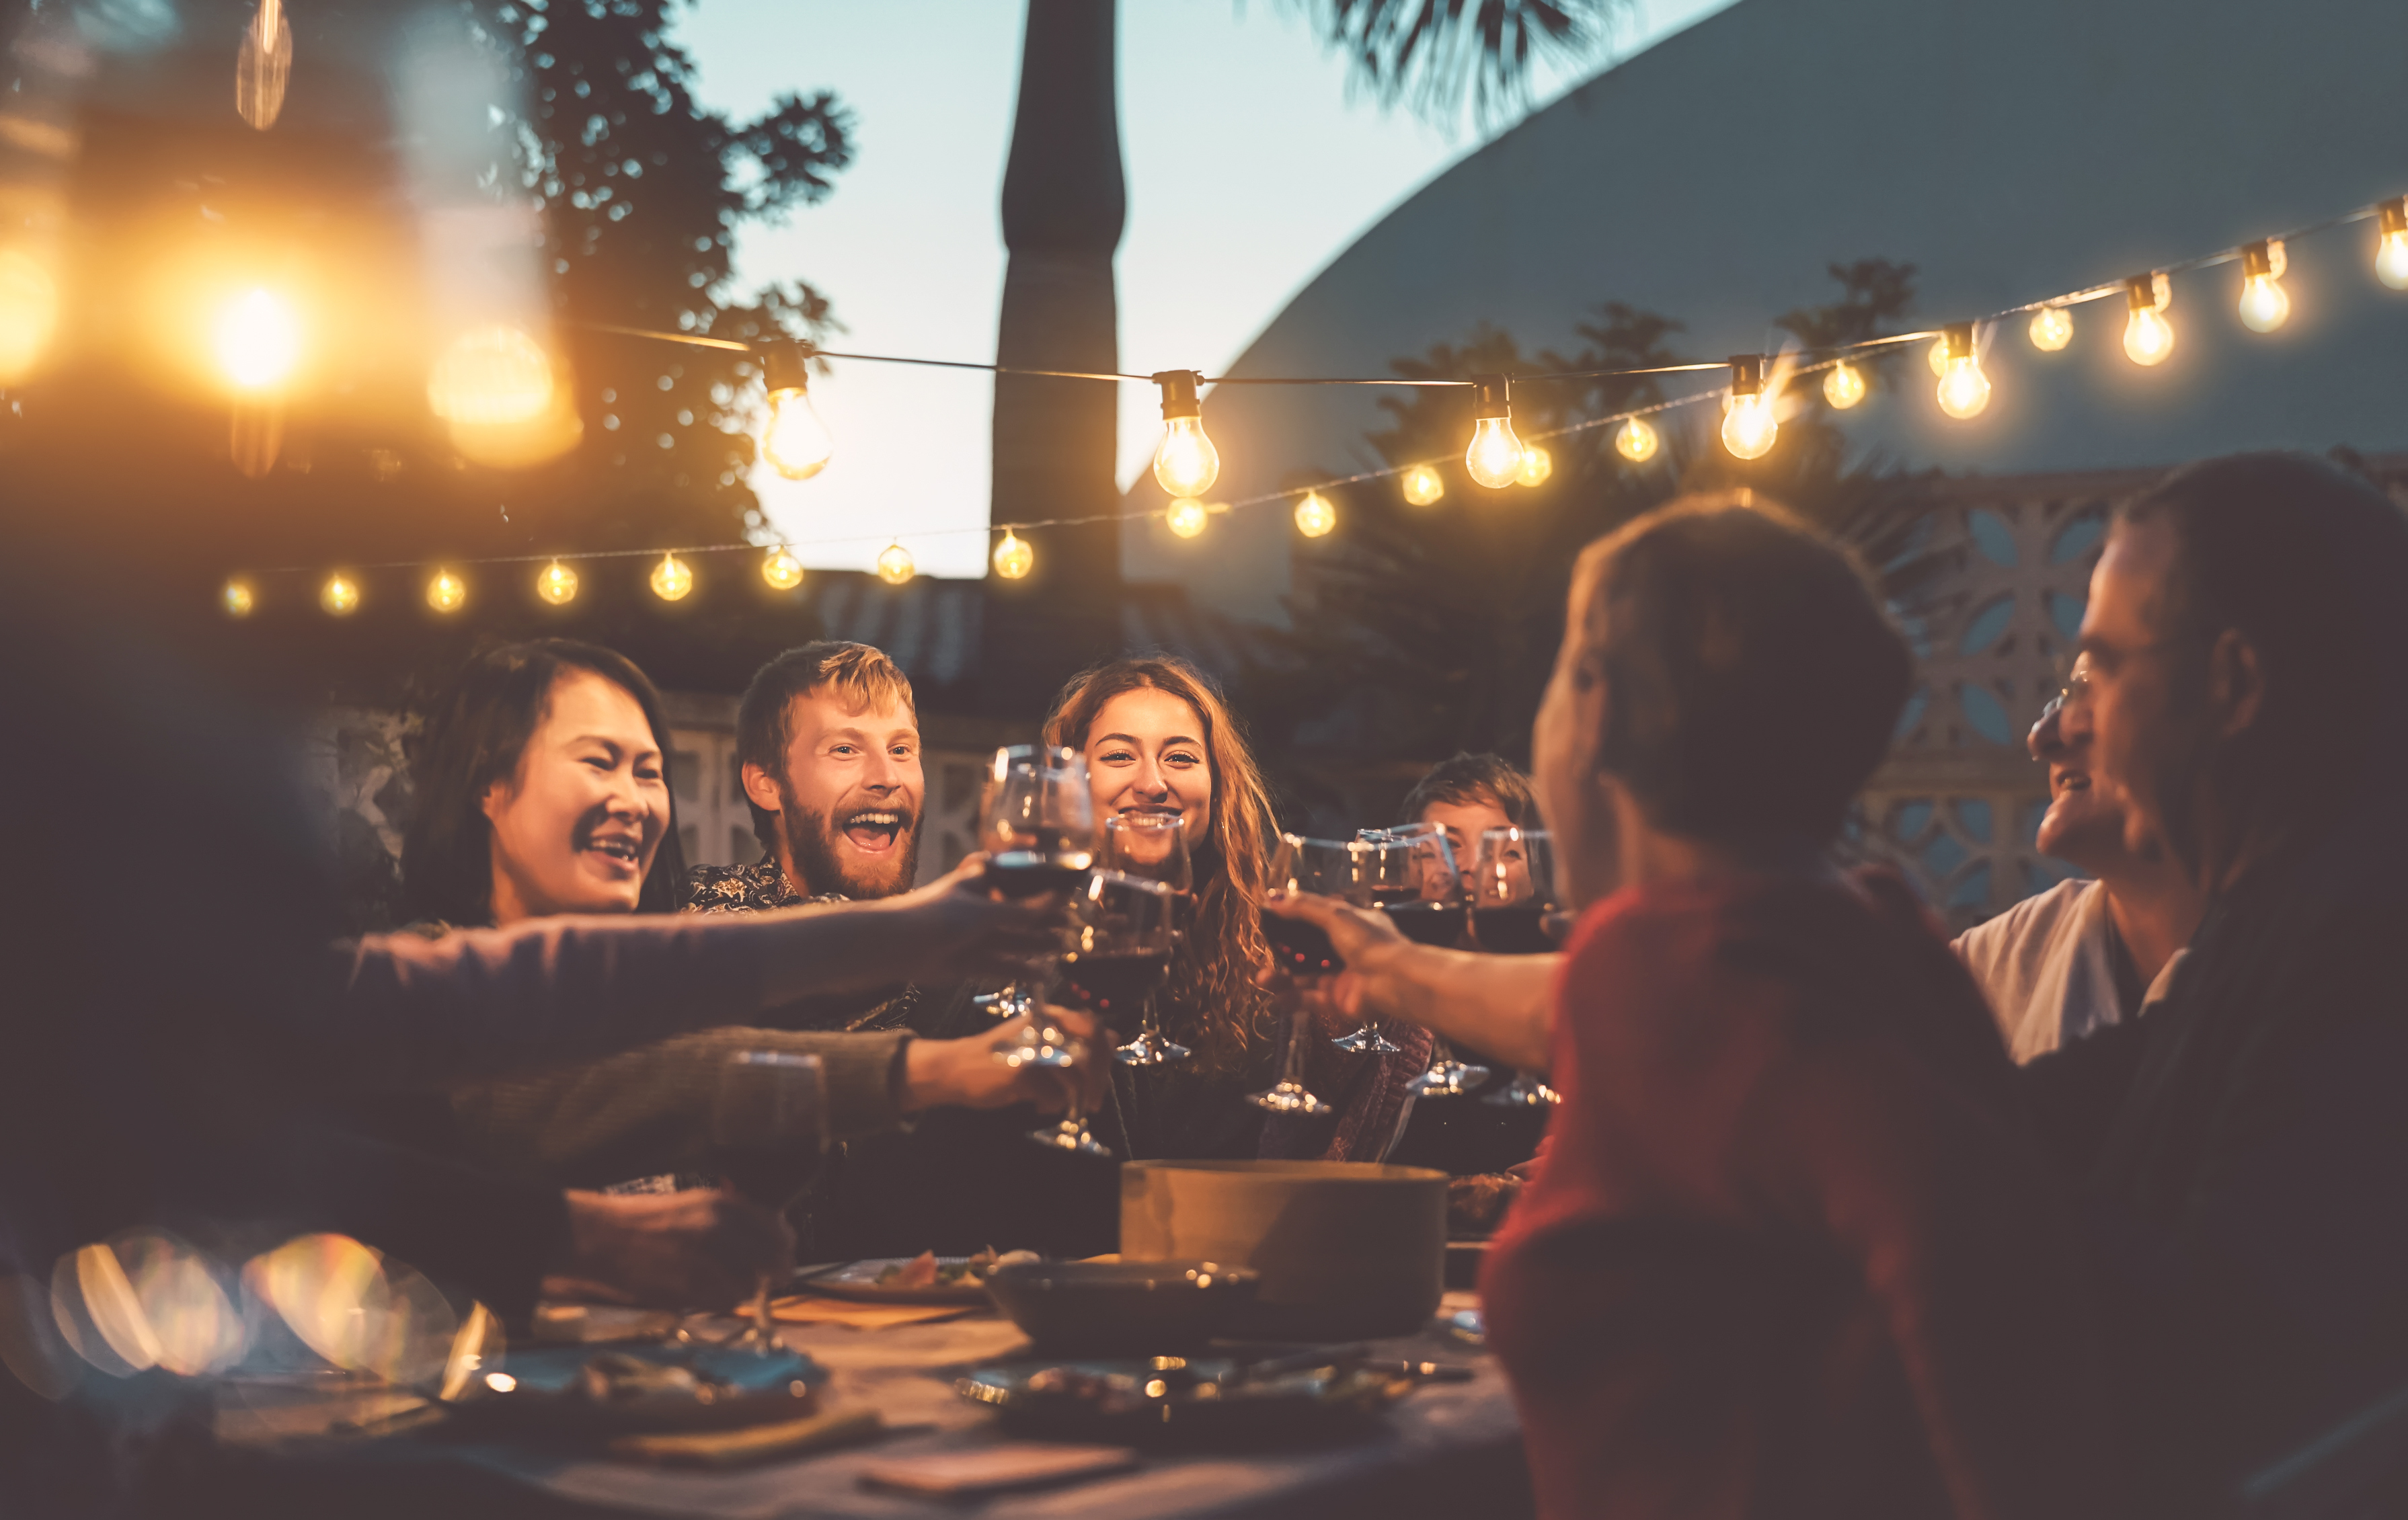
[1037, 822]
[1153, 846]
[1512, 893]
[1439, 913]
[1330, 867]
[768, 1126]
[1411, 878]
[1120, 951]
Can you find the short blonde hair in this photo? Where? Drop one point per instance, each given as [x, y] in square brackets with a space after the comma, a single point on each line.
[862, 674]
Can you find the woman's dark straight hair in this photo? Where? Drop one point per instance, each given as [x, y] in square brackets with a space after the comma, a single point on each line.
[475, 736]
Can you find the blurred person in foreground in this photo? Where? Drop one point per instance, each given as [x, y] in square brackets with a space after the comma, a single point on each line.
[2244, 1147]
[1792, 1250]
[2089, 951]
[542, 792]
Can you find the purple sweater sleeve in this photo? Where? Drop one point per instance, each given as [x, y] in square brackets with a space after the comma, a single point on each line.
[479, 1002]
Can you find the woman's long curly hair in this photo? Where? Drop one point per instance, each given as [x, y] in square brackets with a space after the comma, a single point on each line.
[1215, 1002]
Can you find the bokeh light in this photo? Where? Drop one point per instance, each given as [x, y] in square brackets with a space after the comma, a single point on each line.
[491, 377]
[29, 312]
[258, 339]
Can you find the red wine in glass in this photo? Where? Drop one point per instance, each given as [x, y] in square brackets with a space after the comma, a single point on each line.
[1514, 929]
[1114, 987]
[1427, 923]
[1046, 863]
[1300, 949]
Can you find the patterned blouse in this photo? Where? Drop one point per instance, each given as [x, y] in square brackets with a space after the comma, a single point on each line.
[758, 888]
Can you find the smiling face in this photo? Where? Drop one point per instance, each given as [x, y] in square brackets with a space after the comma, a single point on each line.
[2085, 823]
[848, 803]
[574, 827]
[1145, 754]
[1463, 822]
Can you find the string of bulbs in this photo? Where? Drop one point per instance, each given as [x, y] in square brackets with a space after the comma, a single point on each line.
[796, 443]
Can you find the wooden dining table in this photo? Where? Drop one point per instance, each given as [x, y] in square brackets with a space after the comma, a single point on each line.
[1447, 1448]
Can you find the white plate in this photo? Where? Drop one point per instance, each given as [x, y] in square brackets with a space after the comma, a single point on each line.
[859, 1280]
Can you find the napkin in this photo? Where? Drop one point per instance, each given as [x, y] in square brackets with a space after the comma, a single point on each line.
[805, 1309]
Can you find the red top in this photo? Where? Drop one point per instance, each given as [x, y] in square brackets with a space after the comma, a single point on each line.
[1792, 1253]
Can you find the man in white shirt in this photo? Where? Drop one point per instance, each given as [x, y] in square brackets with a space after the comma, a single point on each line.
[2085, 954]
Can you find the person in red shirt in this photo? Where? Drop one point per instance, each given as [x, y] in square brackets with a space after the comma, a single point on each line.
[1792, 1251]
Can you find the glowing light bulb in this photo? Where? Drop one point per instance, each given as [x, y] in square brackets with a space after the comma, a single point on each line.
[339, 596]
[1537, 465]
[1939, 356]
[1185, 463]
[781, 569]
[236, 599]
[2264, 304]
[1638, 440]
[672, 578]
[446, 592]
[494, 376]
[556, 584]
[2052, 328]
[1494, 458]
[1187, 516]
[1014, 558]
[1314, 516]
[1844, 385]
[29, 312]
[1424, 485]
[258, 340]
[262, 65]
[1749, 426]
[895, 564]
[2148, 337]
[2391, 246]
[1964, 390]
[796, 442]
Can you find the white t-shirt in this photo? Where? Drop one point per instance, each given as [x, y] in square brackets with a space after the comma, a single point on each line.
[2047, 965]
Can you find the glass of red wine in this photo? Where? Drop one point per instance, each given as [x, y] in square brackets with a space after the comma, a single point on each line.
[1120, 951]
[1153, 847]
[1333, 869]
[1512, 895]
[1037, 824]
[1411, 878]
[768, 1127]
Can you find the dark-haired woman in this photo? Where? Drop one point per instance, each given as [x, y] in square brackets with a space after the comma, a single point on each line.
[543, 793]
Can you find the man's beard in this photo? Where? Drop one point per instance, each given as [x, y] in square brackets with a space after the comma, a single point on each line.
[821, 866]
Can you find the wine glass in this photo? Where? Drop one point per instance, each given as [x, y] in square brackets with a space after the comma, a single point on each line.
[1120, 951]
[1411, 877]
[1512, 893]
[1331, 868]
[768, 1126]
[1037, 822]
[1153, 846]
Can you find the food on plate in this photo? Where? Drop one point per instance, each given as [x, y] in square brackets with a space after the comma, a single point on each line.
[925, 1272]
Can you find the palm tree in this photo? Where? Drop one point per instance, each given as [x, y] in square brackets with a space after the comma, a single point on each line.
[1064, 204]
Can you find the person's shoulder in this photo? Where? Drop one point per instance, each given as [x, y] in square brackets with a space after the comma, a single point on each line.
[2041, 916]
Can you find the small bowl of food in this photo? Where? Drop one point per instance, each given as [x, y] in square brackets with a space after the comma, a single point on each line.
[1120, 1308]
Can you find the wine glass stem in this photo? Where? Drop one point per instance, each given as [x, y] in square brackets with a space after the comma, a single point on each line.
[765, 1332]
[1292, 1060]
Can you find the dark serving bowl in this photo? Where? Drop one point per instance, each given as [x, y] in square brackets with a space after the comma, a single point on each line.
[1120, 1308]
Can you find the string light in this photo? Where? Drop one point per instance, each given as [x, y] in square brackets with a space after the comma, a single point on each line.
[1014, 558]
[1423, 485]
[494, 376]
[1185, 517]
[1185, 463]
[1964, 390]
[2051, 329]
[29, 311]
[557, 584]
[796, 442]
[446, 592]
[237, 598]
[258, 340]
[339, 596]
[672, 578]
[2391, 245]
[1939, 356]
[1638, 440]
[2264, 304]
[2148, 337]
[1749, 426]
[1537, 465]
[1844, 385]
[1494, 458]
[1314, 516]
[781, 569]
[895, 564]
[262, 65]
